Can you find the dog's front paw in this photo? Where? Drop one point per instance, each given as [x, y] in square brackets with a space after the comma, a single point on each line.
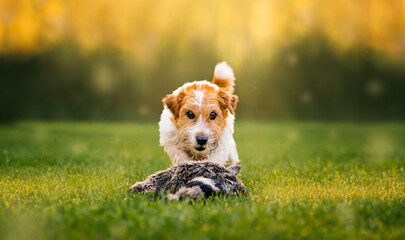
[137, 187]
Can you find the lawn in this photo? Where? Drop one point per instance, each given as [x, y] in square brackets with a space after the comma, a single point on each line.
[62, 180]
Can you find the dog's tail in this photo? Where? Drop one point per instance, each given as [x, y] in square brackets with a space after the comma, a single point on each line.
[224, 77]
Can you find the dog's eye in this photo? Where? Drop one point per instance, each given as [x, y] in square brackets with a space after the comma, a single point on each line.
[190, 114]
[213, 115]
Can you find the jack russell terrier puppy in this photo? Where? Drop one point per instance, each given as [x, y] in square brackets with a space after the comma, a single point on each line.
[197, 121]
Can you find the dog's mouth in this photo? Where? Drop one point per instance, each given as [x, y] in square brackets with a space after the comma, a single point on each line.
[200, 148]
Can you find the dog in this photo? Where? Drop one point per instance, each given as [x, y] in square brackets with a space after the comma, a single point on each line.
[197, 121]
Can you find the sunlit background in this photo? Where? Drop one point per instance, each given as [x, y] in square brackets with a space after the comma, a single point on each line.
[116, 59]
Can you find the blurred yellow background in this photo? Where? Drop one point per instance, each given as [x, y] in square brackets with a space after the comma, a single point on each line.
[236, 28]
[196, 34]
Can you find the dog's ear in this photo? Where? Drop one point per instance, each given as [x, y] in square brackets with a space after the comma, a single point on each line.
[173, 102]
[228, 101]
[234, 101]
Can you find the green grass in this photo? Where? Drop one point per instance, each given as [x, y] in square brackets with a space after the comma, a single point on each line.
[309, 181]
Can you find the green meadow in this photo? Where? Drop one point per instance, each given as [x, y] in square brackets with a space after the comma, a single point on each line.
[309, 180]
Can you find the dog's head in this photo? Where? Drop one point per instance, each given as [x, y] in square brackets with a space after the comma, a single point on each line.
[200, 111]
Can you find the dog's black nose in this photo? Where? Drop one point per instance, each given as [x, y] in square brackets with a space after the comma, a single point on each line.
[202, 139]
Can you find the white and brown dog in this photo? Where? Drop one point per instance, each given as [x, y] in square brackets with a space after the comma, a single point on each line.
[198, 118]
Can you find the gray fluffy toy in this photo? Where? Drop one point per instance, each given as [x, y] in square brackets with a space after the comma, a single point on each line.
[193, 180]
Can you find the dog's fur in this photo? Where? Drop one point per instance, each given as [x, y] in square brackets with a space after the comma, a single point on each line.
[201, 109]
[193, 180]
